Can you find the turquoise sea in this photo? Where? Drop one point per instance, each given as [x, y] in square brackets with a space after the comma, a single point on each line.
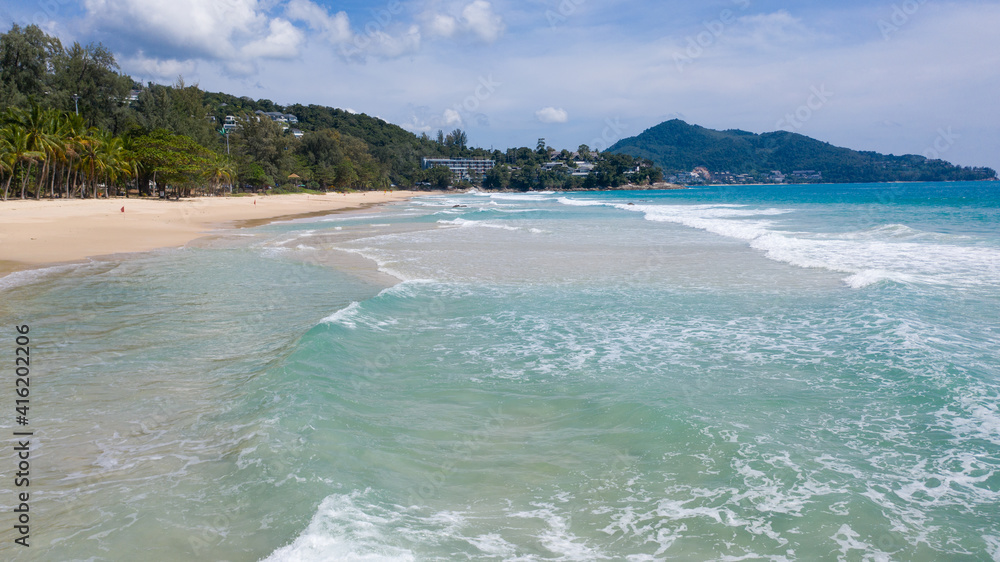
[718, 373]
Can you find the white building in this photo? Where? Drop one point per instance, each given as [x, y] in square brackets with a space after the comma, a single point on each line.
[461, 168]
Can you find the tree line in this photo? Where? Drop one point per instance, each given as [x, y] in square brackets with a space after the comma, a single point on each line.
[52, 153]
[73, 125]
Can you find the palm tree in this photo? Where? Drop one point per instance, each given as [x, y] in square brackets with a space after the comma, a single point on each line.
[18, 153]
[76, 132]
[7, 159]
[130, 159]
[114, 160]
[91, 163]
[39, 125]
[219, 171]
[57, 150]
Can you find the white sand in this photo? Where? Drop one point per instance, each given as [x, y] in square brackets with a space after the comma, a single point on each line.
[52, 231]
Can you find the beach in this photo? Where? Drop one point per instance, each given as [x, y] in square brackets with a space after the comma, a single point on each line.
[48, 231]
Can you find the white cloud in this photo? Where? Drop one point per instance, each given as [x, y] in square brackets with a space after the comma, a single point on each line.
[775, 28]
[143, 67]
[552, 115]
[376, 39]
[452, 117]
[442, 25]
[390, 46]
[238, 34]
[476, 19]
[479, 18]
[283, 41]
[335, 28]
[206, 29]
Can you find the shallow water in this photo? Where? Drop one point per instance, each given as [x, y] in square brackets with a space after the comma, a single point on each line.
[780, 372]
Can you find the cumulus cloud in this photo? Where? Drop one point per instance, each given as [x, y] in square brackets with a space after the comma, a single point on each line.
[205, 29]
[442, 25]
[390, 46]
[423, 119]
[283, 41]
[335, 28]
[479, 18]
[142, 66]
[381, 37]
[476, 19]
[552, 115]
[452, 117]
[157, 35]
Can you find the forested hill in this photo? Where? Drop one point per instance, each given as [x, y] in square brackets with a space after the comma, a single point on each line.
[676, 146]
[397, 150]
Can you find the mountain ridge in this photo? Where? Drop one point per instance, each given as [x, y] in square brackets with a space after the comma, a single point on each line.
[679, 147]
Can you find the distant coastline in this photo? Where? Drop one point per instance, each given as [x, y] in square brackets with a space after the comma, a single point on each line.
[686, 152]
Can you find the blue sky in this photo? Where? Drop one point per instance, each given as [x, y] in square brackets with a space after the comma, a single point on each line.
[913, 76]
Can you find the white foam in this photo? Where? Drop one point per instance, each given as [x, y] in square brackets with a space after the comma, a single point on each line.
[492, 209]
[538, 196]
[558, 538]
[993, 543]
[893, 252]
[28, 276]
[493, 545]
[340, 218]
[583, 202]
[464, 223]
[868, 277]
[848, 540]
[384, 265]
[294, 237]
[342, 530]
[975, 416]
[345, 316]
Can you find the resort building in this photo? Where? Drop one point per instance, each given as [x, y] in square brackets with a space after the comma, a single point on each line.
[807, 175]
[583, 169]
[279, 117]
[461, 168]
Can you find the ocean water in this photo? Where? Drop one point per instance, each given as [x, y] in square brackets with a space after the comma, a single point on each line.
[721, 373]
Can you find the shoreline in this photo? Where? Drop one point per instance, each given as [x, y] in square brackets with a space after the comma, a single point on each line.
[49, 232]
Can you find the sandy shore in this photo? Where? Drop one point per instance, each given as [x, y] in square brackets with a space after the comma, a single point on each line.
[33, 232]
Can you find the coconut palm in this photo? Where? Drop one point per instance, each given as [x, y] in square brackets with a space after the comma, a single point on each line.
[130, 159]
[39, 124]
[91, 163]
[219, 171]
[56, 153]
[114, 160]
[16, 146]
[76, 131]
[6, 160]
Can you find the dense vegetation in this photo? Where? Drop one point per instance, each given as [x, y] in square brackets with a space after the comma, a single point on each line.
[677, 146]
[73, 125]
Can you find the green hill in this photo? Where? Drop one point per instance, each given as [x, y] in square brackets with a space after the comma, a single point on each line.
[676, 146]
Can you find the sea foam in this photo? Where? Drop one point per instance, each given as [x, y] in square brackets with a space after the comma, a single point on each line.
[892, 252]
